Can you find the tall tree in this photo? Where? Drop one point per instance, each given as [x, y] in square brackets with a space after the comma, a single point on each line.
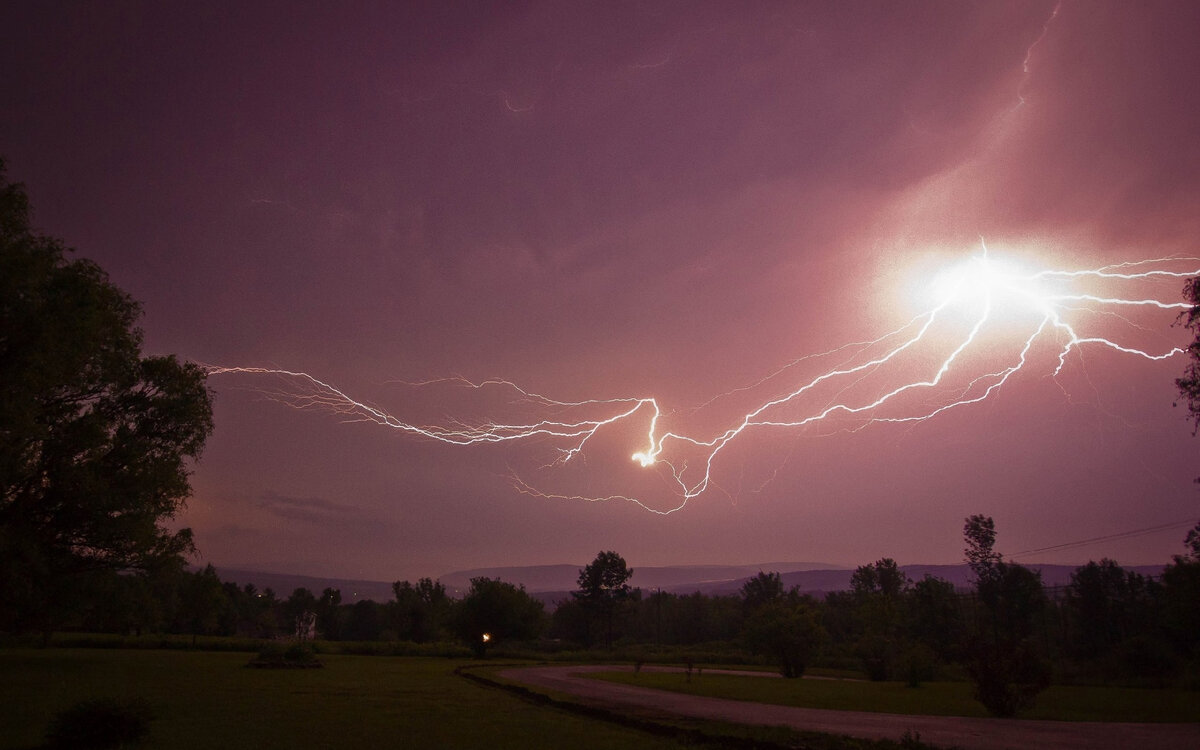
[94, 437]
[329, 614]
[979, 532]
[1189, 384]
[1004, 662]
[1108, 605]
[421, 611]
[202, 601]
[603, 587]
[878, 592]
[935, 618]
[1181, 596]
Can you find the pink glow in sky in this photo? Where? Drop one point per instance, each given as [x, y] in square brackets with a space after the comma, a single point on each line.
[599, 201]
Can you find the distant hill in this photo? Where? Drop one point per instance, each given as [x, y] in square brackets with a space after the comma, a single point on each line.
[554, 583]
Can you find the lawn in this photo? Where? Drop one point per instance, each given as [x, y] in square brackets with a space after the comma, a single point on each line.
[208, 699]
[934, 698]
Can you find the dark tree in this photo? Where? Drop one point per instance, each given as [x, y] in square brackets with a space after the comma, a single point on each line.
[94, 437]
[1003, 660]
[788, 632]
[301, 612]
[979, 531]
[495, 611]
[258, 612]
[881, 578]
[603, 587]
[878, 591]
[203, 602]
[1181, 596]
[119, 604]
[762, 589]
[1189, 384]
[935, 618]
[365, 621]
[1192, 542]
[329, 621]
[422, 611]
[1108, 605]
[569, 622]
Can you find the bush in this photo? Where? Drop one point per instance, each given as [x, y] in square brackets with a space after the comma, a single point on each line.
[918, 663]
[1008, 677]
[280, 656]
[100, 723]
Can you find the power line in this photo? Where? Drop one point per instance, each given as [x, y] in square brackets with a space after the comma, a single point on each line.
[1120, 535]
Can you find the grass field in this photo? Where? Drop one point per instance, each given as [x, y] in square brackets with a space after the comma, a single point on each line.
[208, 700]
[934, 698]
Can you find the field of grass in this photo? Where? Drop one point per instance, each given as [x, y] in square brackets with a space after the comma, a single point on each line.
[208, 699]
[935, 698]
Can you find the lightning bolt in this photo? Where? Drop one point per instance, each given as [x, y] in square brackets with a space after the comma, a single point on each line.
[987, 320]
[1026, 64]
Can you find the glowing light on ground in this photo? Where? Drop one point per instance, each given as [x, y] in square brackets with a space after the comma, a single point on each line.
[985, 320]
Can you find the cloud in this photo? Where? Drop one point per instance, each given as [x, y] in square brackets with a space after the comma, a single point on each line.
[307, 509]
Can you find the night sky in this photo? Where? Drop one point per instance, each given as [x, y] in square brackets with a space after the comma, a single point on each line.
[625, 200]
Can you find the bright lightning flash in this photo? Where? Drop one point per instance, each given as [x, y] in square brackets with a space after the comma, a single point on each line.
[985, 320]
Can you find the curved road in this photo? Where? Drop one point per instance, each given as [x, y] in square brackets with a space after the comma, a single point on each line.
[969, 733]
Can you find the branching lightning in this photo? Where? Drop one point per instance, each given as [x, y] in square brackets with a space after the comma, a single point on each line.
[985, 322]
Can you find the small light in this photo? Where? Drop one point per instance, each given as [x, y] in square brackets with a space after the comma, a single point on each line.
[487, 637]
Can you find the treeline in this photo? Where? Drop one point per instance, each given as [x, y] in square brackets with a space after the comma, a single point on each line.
[1007, 633]
[171, 599]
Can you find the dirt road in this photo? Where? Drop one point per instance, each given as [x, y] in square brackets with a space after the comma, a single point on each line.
[968, 733]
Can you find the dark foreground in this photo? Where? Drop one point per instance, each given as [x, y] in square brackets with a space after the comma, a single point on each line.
[968, 733]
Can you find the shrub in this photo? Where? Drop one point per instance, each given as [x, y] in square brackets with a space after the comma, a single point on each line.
[280, 656]
[918, 663]
[1008, 677]
[100, 723]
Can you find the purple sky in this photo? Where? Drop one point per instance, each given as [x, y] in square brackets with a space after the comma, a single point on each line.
[666, 200]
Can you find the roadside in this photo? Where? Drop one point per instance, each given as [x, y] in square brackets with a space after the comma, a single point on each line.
[968, 733]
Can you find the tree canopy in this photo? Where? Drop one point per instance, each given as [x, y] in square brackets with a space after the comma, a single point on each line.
[603, 586]
[95, 438]
[762, 589]
[495, 610]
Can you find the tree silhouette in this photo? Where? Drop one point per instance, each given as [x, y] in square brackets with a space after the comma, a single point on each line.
[94, 437]
[878, 590]
[1181, 596]
[1189, 384]
[761, 590]
[603, 587]
[1003, 660]
[421, 611]
[494, 611]
[787, 632]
